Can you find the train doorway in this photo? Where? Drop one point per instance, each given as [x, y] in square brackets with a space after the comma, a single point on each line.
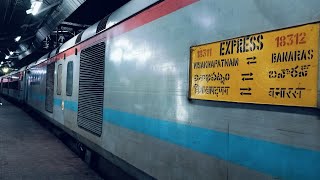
[50, 87]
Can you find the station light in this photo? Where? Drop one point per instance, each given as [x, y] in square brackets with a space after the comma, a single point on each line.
[35, 6]
[1, 62]
[11, 52]
[29, 11]
[7, 57]
[17, 39]
[5, 70]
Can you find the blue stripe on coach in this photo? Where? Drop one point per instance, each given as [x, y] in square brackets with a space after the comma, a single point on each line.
[278, 160]
[57, 102]
[71, 105]
[206, 141]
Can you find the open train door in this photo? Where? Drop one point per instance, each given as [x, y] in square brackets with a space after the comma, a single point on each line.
[50, 87]
[26, 87]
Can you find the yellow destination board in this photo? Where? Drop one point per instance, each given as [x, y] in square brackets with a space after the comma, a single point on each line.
[278, 67]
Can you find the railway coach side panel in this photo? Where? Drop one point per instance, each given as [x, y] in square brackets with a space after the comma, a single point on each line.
[147, 110]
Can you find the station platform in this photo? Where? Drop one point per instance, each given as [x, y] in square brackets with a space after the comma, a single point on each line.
[29, 151]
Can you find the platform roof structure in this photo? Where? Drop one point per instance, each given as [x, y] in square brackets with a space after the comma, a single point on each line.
[55, 22]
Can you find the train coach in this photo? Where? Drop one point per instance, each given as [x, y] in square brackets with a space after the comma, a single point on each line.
[13, 84]
[121, 87]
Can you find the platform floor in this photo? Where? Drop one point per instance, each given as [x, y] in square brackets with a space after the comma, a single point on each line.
[29, 151]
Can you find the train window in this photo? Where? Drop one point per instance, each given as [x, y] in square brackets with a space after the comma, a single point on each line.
[69, 79]
[76, 51]
[59, 78]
